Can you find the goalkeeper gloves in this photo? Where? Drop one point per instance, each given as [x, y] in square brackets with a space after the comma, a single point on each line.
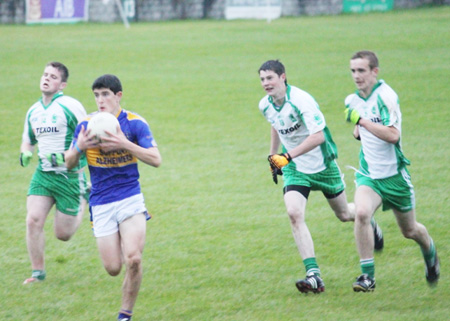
[275, 172]
[279, 160]
[25, 158]
[56, 159]
[352, 116]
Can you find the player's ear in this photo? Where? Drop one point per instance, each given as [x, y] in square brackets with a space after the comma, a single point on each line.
[62, 86]
[375, 71]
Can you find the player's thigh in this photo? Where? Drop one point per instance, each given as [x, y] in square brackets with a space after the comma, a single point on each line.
[132, 234]
[38, 207]
[295, 204]
[65, 225]
[110, 252]
[367, 200]
[339, 205]
[406, 220]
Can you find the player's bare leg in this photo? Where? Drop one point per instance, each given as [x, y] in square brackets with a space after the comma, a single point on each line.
[344, 211]
[66, 225]
[366, 201]
[411, 229]
[110, 253]
[132, 231]
[296, 206]
[38, 208]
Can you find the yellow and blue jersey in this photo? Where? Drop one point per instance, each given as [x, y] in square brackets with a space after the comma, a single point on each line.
[114, 175]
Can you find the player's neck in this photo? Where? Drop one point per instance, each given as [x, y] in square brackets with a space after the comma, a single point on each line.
[366, 92]
[278, 101]
[47, 98]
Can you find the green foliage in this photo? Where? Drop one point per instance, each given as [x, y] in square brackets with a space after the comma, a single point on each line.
[219, 245]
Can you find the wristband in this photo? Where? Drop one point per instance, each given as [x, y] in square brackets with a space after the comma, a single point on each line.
[78, 148]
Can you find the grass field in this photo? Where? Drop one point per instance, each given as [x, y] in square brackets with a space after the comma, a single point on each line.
[219, 246]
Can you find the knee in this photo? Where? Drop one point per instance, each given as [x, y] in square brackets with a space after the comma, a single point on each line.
[295, 216]
[134, 262]
[347, 214]
[343, 217]
[363, 215]
[409, 233]
[113, 269]
[62, 236]
[34, 221]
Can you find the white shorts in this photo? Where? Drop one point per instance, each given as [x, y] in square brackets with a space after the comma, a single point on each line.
[105, 219]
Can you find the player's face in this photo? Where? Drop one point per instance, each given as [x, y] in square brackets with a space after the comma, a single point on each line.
[51, 81]
[273, 84]
[364, 77]
[107, 101]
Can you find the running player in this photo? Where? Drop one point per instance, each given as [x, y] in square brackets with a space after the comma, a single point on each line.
[382, 178]
[307, 162]
[50, 124]
[118, 211]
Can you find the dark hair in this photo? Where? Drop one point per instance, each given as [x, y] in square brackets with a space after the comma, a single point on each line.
[274, 65]
[61, 68]
[369, 55]
[108, 81]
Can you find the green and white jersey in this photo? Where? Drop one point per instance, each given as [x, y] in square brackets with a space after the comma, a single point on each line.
[51, 127]
[298, 118]
[378, 158]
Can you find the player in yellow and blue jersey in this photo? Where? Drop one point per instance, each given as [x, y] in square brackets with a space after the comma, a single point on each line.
[117, 204]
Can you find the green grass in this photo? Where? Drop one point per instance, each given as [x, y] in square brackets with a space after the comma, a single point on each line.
[219, 246]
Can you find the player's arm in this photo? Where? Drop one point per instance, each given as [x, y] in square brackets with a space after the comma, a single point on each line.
[150, 156]
[356, 133]
[389, 134]
[274, 141]
[311, 142]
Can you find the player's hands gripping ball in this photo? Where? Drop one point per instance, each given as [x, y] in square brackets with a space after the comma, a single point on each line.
[56, 159]
[25, 158]
[352, 116]
[279, 160]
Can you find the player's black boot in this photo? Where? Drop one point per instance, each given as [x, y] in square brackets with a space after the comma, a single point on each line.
[378, 238]
[432, 271]
[312, 283]
[364, 283]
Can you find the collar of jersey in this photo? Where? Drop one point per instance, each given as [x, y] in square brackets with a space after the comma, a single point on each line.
[57, 95]
[378, 84]
[286, 98]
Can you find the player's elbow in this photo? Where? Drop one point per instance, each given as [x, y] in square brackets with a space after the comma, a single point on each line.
[394, 138]
[157, 162]
[70, 161]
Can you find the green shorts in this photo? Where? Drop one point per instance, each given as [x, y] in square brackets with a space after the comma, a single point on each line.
[396, 191]
[330, 181]
[67, 189]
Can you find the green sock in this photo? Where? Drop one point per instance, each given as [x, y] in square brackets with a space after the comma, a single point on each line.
[368, 267]
[431, 253]
[311, 266]
[38, 274]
